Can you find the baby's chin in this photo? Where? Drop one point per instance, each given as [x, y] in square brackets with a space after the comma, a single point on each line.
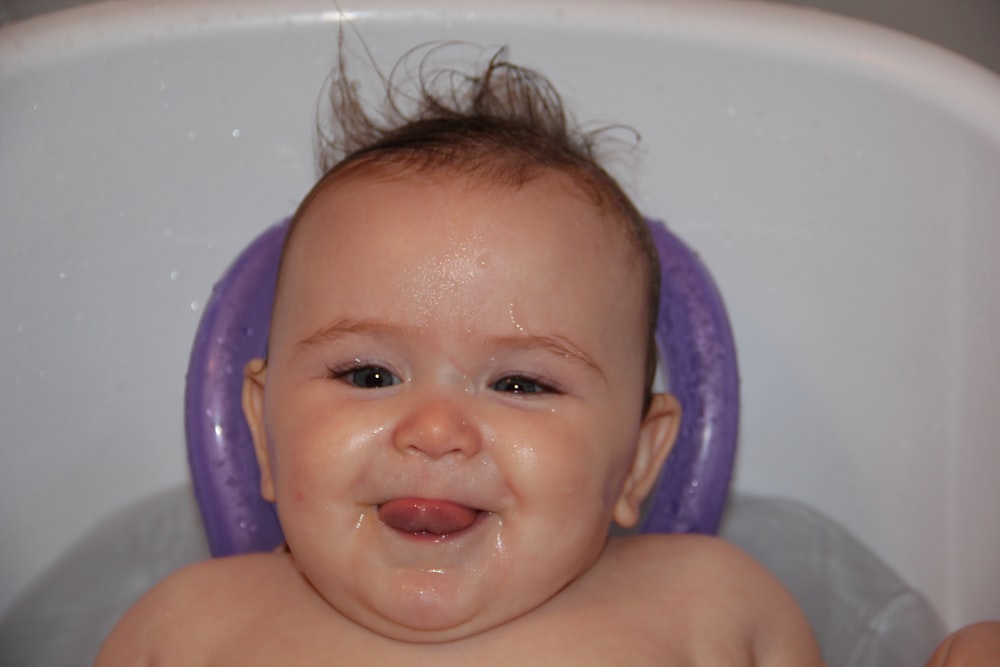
[436, 630]
[425, 616]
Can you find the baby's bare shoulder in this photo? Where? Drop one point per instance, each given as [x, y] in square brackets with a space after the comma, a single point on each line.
[186, 613]
[719, 590]
[692, 560]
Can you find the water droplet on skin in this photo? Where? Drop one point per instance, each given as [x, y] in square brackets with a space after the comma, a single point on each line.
[500, 547]
[513, 320]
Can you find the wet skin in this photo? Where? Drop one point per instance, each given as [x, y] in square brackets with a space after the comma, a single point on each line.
[478, 348]
[449, 420]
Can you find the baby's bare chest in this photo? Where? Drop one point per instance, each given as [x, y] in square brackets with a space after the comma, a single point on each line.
[584, 638]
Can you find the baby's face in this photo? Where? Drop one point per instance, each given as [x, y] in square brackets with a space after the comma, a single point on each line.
[451, 416]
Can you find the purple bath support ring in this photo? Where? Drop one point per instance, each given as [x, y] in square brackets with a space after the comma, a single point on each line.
[233, 329]
[697, 344]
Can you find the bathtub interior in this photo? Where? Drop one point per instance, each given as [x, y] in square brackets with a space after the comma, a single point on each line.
[837, 178]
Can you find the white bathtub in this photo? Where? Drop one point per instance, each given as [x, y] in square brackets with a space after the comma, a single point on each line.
[839, 179]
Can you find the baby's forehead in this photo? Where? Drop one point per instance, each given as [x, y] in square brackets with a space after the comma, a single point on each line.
[345, 211]
[383, 178]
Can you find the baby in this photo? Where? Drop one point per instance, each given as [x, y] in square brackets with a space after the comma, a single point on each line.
[456, 403]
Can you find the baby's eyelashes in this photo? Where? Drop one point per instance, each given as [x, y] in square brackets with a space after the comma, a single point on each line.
[365, 376]
[374, 376]
[522, 384]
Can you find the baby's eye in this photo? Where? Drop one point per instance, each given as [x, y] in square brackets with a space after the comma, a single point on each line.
[520, 384]
[366, 377]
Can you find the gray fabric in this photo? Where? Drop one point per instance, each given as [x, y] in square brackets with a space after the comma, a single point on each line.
[864, 615]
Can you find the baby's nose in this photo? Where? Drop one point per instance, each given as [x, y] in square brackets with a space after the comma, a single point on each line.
[437, 427]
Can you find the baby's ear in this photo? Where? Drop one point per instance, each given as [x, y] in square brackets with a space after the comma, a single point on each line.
[254, 375]
[656, 438]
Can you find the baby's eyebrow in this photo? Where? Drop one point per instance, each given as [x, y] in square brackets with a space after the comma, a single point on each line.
[555, 344]
[334, 331]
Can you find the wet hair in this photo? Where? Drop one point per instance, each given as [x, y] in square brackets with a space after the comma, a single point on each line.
[501, 123]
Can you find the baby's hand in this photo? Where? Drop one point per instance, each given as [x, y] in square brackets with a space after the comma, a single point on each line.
[973, 646]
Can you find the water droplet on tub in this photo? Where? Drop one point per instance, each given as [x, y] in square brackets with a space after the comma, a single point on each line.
[175, 274]
[247, 331]
[194, 306]
[20, 327]
[731, 112]
[236, 133]
[192, 135]
[63, 274]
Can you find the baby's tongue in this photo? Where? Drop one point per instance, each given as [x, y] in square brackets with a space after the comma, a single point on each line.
[418, 515]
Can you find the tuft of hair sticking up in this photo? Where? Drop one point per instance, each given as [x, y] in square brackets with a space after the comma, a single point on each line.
[497, 121]
[477, 110]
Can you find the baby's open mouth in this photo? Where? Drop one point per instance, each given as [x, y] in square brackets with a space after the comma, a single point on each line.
[430, 517]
